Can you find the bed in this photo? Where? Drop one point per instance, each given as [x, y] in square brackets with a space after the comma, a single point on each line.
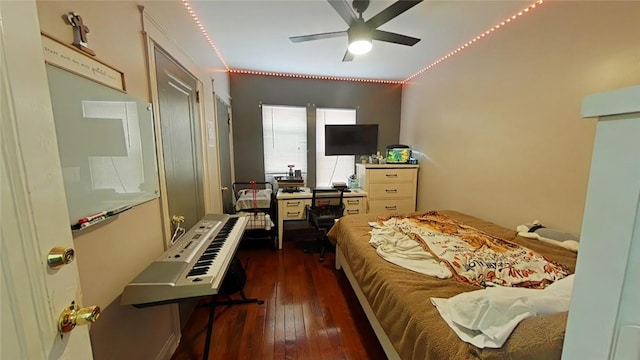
[397, 300]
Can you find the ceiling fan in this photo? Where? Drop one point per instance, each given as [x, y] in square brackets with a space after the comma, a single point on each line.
[362, 32]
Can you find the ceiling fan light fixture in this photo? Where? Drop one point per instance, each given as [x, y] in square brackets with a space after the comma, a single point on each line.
[359, 38]
[359, 47]
[361, 33]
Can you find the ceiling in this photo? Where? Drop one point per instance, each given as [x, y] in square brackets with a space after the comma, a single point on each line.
[254, 35]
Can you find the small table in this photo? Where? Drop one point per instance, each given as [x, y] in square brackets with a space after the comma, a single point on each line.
[291, 206]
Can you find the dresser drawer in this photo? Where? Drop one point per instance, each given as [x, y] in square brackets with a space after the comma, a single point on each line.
[353, 205]
[293, 209]
[391, 190]
[391, 175]
[353, 211]
[352, 202]
[391, 206]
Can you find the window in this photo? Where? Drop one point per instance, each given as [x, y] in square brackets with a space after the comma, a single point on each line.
[332, 168]
[284, 131]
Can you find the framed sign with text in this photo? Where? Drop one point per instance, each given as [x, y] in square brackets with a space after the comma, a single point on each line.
[71, 59]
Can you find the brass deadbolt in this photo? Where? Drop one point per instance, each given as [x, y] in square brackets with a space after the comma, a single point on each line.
[59, 256]
[73, 316]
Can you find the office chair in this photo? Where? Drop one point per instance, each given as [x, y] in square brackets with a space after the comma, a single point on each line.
[326, 206]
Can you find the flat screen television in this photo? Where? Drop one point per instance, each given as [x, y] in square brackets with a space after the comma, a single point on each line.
[359, 139]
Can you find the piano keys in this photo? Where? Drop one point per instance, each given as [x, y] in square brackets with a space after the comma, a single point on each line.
[194, 266]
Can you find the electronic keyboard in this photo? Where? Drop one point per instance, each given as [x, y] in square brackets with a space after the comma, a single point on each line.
[194, 266]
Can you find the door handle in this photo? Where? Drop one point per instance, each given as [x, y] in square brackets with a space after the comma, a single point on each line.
[177, 219]
[178, 230]
[73, 316]
[224, 188]
[59, 256]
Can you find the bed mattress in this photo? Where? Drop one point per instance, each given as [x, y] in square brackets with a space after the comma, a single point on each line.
[400, 298]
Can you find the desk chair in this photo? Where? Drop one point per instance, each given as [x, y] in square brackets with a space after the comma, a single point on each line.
[326, 206]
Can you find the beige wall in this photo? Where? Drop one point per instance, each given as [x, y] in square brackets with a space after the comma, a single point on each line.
[111, 254]
[497, 128]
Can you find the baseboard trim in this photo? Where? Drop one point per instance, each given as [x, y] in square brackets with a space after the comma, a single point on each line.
[169, 348]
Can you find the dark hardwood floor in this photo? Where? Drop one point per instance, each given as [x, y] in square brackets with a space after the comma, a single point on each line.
[309, 312]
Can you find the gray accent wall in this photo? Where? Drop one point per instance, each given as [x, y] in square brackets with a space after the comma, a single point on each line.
[374, 103]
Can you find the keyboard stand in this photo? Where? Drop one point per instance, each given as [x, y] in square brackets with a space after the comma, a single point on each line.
[229, 302]
[212, 306]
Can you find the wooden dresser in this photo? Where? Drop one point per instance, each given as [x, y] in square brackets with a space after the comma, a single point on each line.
[391, 188]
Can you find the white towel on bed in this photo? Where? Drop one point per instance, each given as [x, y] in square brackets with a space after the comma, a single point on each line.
[399, 249]
[486, 318]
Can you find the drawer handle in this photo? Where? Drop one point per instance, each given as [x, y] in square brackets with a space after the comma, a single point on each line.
[293, 203]
[289, 213]
[393, 207]
[391, 175]
[391, 190]
[352, 202]
[350, 212]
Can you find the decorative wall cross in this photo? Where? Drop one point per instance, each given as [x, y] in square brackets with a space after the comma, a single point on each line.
[80, 31]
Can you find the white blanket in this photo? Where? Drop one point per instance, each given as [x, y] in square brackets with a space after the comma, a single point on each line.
[486, 318]
[246, 199]
[400, 249]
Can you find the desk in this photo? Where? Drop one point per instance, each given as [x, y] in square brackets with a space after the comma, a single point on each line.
[291, 206]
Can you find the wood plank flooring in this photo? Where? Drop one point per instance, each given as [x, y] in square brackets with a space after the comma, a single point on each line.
[309, 312]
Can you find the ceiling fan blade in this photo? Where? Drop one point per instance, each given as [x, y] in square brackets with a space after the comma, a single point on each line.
[344, 10]
[347, 56]
[328, 35]
[392, 11]
[394, 38]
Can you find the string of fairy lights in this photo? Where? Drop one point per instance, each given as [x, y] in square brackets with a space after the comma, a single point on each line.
[314, 77]
[204, 32]
[483, 35]
[462, 47]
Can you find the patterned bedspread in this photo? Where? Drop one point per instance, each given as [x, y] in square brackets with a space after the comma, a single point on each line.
[474, 256]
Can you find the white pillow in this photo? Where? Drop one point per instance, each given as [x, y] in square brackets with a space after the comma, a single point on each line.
[550, 236]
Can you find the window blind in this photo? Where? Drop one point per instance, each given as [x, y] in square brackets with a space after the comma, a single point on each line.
[284, 130]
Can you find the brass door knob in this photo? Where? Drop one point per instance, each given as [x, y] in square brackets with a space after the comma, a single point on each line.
[177, 219]
[59, 256]
[73, 316]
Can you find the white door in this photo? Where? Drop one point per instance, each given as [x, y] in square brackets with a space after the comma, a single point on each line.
[33, 205]
[181, 145]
